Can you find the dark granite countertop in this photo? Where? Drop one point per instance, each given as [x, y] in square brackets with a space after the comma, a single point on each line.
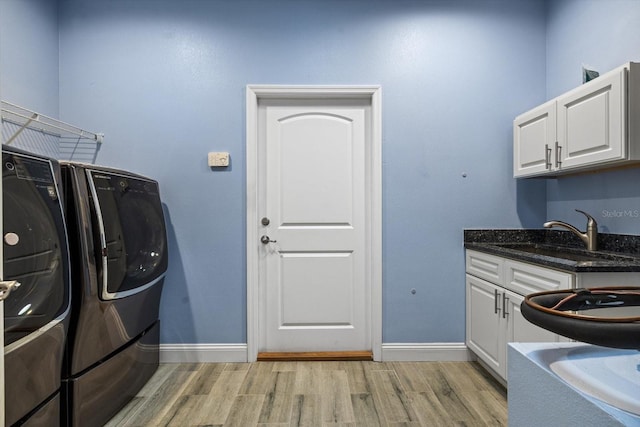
[559, 249]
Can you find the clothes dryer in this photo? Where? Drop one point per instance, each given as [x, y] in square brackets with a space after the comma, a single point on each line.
[118, 248]
[35, 254]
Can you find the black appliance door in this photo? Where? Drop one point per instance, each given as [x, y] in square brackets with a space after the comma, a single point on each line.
[35, 247]
[130, 222]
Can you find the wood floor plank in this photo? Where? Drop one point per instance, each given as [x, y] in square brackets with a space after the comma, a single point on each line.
[390, 398]
[364, 410]
[278, 399]
[478, 396]
[485, 381]
[215, 407]
[258, 378]
[486, 408]
[184, 411]
[228, 382]
[333, 365]
[322, 394]
[407, 424]
[127, 412]
[157, 405]
[306, 411]
[285, 366]
[208, 374]
[410, 376]
[158, 378]
[429, 409]
[462, 376]
[308, 378]
[336, 398]
[455, 404]
[357, 376]
[245, 411]
[189, 366]
[237, 366]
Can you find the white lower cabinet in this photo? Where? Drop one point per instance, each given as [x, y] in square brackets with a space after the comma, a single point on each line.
[493, 310]
[485, 329]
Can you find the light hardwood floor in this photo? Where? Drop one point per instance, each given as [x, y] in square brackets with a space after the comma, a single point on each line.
[347, 394]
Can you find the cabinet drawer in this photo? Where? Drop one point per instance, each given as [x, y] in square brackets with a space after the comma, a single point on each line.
[485, 266]
[525, 279]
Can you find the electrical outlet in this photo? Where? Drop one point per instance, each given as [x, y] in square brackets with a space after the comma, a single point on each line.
[218, 159]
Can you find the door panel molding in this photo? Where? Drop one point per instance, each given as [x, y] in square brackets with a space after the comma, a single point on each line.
[370, 96]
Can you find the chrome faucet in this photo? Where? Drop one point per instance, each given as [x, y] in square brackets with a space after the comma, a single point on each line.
[590, 237]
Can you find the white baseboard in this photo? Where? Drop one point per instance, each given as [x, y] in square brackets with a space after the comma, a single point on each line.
[391, 352]
[426, 352]
[199, 353]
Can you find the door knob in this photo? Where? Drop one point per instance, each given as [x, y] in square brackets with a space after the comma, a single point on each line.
[6, 287]
[266, 240]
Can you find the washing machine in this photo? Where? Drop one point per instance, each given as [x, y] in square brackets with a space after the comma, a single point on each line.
[36, 314]
[118, 247]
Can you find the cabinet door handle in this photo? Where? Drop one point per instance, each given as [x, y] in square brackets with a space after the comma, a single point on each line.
[558, 155]
[505, 300]
[547, 156]
[496, 295]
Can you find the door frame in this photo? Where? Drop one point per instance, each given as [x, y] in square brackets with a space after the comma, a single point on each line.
[373, 218]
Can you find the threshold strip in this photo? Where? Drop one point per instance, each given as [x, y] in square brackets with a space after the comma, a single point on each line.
[316, 356]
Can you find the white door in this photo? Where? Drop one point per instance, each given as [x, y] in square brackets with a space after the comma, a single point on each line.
[313, 272]
[313, 228]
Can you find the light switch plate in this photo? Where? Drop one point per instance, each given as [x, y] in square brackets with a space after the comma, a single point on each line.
[218, 159]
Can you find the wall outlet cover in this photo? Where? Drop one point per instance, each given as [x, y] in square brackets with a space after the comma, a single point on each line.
[218, 159]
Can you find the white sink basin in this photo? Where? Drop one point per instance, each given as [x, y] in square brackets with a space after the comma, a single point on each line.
[609, 375]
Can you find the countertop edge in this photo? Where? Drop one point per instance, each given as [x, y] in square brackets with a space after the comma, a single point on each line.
[488, 241]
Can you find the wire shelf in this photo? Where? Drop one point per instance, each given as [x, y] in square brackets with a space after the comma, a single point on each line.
[24, 118]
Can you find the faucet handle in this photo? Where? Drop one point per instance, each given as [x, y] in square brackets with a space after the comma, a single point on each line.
[591, 220]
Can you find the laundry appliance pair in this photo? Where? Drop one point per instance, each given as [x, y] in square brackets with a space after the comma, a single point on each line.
[88, 245]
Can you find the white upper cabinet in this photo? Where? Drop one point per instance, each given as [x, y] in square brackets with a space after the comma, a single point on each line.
[534, 136]
[591, 127]
[591, 123]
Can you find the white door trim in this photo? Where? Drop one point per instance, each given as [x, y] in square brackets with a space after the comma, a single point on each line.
[254, 93]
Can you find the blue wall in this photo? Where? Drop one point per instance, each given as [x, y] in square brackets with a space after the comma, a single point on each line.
[29, 65]
[29, 59]
[603, 35]
[165, 81]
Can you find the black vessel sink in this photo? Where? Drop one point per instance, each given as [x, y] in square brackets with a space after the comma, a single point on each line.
[608, 317]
